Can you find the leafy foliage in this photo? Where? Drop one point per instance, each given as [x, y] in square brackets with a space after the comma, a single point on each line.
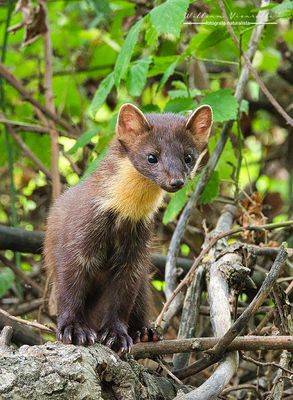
[6, 280]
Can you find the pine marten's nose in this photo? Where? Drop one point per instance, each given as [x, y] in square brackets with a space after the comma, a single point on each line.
[177, 183]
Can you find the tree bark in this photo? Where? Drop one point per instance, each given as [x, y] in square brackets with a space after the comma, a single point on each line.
[57, 371]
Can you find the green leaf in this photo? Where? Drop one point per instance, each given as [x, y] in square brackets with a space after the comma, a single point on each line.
[177, 202]
[151, 36]
[37, 144]
[284, 10]
[94, 164]
[6, 280]
[101, 94]
[174, 94]
[270, 60]
[227, 161]
[215, 37]
[212, 189]
[169, 16]
[185, 249]
[102, 9]
[244, 106]
[168, 72]
[180, 104]
[84, 139]
[160, 64]
[223, 103]
[159, 285]
[126, 51]
[137, 76]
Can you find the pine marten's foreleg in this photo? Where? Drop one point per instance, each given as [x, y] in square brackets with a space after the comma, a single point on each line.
[115, 306]
[72, 288]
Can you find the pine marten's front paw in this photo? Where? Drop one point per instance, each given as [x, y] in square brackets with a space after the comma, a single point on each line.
[147, 335]
[76, 333]
[116, 337]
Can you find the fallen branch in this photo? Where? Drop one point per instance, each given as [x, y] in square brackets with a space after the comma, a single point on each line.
[17, 239]
[216, 353]
[191, 345]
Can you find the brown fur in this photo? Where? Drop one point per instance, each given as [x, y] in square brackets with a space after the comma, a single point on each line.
[99, 232]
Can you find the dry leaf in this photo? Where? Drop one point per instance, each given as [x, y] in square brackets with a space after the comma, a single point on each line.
[251, 213]
[33, 20]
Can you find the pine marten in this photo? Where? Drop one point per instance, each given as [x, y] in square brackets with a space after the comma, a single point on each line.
[98, 232]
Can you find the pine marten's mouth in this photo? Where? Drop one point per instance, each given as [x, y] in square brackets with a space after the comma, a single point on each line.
[171, 189]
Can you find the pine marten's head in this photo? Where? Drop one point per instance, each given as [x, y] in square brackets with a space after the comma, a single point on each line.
[164, 147]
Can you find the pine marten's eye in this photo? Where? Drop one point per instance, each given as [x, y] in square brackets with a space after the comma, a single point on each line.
[188, 158]
[152, 159]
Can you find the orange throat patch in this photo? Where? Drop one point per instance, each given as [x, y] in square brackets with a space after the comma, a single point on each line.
[131, 194]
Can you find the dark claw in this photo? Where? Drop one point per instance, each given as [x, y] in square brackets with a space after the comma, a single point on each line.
[117, 338]
[76, 333]
[92, 337]
[104, 336]
[125, 345]
[154, 335]
[110, 341]
[136, 337]
[67, 335]
[144, 334]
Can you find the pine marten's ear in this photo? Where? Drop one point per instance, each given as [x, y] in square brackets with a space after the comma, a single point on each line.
[199, 124]
[131, 121]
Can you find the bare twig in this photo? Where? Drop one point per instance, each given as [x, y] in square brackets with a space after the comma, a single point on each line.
[32, 324]
[30, 127]
[242, 387]
[163, 366]
[24, 308]
[73, 165]
[10, 78]
[28, 153]
[266, 364]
